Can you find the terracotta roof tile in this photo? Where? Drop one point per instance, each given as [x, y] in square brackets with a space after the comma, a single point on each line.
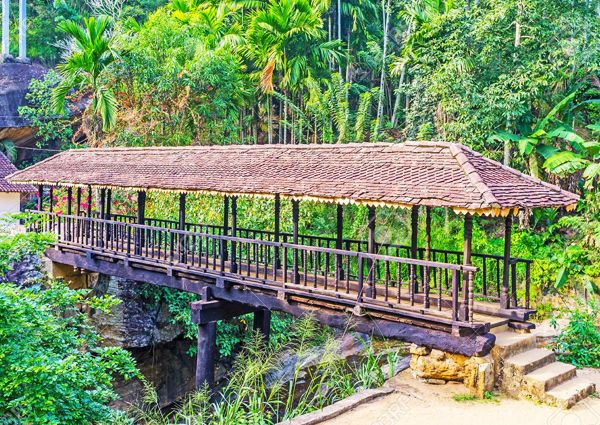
[411, 173]
[6, 168]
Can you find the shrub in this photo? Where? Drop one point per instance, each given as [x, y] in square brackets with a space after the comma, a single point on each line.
[579, 342]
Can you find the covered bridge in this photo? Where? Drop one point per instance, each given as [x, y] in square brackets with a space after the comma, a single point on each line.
[427, 295]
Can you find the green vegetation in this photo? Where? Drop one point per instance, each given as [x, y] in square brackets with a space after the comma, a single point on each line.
[579, 341]
[52, 368]
[255, 392]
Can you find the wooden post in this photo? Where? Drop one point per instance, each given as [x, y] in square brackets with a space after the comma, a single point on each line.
[295, 220]
[339, 240]
[181, 226]
[372, 249]
[40, 201]
[68, 221]
[414, 246]
[277, 231]
[78, 201]
[426, 303]
[108, 204]
[225, 230]
[89, 203]
[51, 196]
[102, 205]
[140, 219]
[504, 300]
[262, 323]
[234, 265]
[467, 245]
[205, 357]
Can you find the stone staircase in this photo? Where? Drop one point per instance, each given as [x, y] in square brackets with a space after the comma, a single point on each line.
[524, 371]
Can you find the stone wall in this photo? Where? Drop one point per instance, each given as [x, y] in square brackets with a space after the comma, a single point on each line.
[439, 367]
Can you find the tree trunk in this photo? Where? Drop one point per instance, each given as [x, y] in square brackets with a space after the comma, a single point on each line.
[385, 22]
[398, 97]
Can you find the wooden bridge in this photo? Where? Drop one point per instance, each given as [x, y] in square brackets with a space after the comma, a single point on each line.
[428, 295]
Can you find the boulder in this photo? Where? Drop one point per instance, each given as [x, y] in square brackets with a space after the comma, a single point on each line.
[135, 322]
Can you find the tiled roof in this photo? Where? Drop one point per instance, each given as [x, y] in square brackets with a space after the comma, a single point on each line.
[436, 174]
[6, 168]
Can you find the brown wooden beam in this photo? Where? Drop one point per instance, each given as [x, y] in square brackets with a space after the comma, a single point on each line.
[233, 263]
[108, 214]
[295, 223]
[426, 301]
[225, 254]
[205, 356]
[212, 310]
[40, 201]
[339, 240]
[102, 205]
[140, 219]
[89, 202]
[69, 200]
[504, 298]
[181, 226]
[414, 250]
[51, 199]
[372, 249]
[262, 323]
[466, 277]
[78, 201]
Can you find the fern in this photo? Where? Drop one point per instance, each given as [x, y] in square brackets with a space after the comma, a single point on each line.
[363, 116]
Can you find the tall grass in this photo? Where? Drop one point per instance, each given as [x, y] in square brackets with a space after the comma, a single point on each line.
[252, 396]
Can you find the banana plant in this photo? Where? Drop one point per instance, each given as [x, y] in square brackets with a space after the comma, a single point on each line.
[541, 142]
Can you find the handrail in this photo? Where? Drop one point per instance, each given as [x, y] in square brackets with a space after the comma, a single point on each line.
[362, 276]
[327, 238]
[333, 251]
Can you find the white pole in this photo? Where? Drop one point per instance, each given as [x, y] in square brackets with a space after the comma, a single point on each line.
[22, 30]
[5, 25]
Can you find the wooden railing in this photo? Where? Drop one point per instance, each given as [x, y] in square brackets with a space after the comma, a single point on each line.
[487, 284]
[383, 282]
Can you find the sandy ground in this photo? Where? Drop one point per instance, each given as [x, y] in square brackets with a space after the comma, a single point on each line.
[417, 403]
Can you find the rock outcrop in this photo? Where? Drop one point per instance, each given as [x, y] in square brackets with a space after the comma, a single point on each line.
[136, 322]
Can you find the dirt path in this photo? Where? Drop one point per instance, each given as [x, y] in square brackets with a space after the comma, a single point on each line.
[416, 403]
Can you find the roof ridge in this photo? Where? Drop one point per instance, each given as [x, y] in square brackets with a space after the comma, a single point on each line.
[456, 150]
[273, 146]
[521, 174]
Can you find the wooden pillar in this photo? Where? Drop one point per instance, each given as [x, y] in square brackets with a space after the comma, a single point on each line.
[466, 277]
[234, 265]
[40, 201]
[181, 226]
[140, 219]
[371, 249]
[339, 240]
[78, 201]
[51, 196]
[262, 323]
[426, 302]
[108, 214]
[205, 357]
[68, 221]
[224, 252]
[102, 205]
[504, 299]
[295, 221]
[277, 230]
[414, 249]
[89, 203]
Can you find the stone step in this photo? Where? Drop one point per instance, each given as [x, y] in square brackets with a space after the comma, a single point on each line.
[528, 361]
[509, 343]
[567, 394]
[519, 365]
[541, 380]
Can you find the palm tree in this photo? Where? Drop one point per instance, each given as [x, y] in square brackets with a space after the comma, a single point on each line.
[287, 44]
[83, 69]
